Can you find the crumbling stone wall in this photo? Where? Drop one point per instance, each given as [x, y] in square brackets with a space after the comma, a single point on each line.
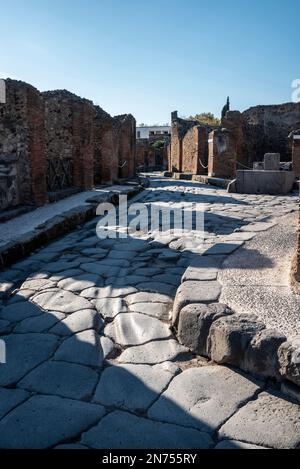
[69, 137]
[106, 163]
[22, 149]
[222, 154]
[150, 156]
[124, 129]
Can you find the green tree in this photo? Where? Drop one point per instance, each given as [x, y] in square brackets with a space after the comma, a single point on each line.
[206, 118]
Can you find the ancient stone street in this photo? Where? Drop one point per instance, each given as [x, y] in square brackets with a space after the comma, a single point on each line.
[92, 358]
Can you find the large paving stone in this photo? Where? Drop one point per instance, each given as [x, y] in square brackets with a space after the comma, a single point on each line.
[136, 329]
[223, 248]
[23, 353]
[11, 398]
[40, 323]
[37, 284]
[62, 301]
[230, 336]
[107, 292]
[195, 292]
[203, 398]
[66, 274]
[157, 287]
[110, 307]
[83, 348]
[133, 387]
[62, 379]
[270, 421]
[154, 352]
[100, 269]
[19, 311]
[59, 266]
[78, 322]
[199, 273]
[146, 297]
[81, 282]
[44, 421]
[156, 310]
[120, 430]
[5, 326]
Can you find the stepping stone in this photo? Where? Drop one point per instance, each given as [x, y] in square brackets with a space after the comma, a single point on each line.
[154, 352]
[81, 282]
[10, 398]
[62, 301]
[121, 430]
[235, 444]
[107, 292]
[83, 348]
[271, 420]
[40, 323]
[145, 297]
[133, 387]
[110, 307]
[63, 379]
[104, 270]
[78, 322]
[19, 311]
[24, 352]
[203, 398]
[44, 421]
[37, 284]
[136, 329]
[156, 310]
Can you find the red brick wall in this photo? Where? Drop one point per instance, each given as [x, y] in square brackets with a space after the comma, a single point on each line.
[222, 154]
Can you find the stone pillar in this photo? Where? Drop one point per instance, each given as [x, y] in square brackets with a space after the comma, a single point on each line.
[193, 150]
[295, 141]
[22, 146]
[106, 162]
[125, 135]
[222, 155]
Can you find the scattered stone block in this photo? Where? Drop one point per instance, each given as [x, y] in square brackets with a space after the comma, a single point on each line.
[194, 325]
[230, 336]
[289, 359]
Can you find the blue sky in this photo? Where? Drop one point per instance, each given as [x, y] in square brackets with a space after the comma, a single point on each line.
[152, 57]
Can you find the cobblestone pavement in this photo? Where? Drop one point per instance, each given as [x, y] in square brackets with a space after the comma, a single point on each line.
[91, 358]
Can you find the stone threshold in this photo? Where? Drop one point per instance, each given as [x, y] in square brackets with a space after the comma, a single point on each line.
[64, 221]
[213, 330]
[203, 179]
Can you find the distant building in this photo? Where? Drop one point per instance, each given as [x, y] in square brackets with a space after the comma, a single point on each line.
[152, 131]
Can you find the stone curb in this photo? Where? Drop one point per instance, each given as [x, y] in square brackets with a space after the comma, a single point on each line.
[213, 330]
[57, 226]
[203, 179]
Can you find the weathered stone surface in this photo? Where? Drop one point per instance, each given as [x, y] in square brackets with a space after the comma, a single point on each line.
[107, 292]
[81, 282]
[62, 301]
[199, 273]
[261, 355]
[235, 444]
[120, 430]
[156, 310]
[133, 387]
[59, 266]
[62, 379]
[145, 297]
[223, 248]
[40, 323]
[157, 287]
[78, 322]
[195, 292]
[154, 352]
[194, 325]
[100, 269]
[37, 284]
[66, 274]
[272, 421]
[24, 427]
[289, 360]
[19, 311]
[196, 397]
[24, 352]
[83, 348]
[230, 336]
[10, 398]
[110, 307]
[136, 329]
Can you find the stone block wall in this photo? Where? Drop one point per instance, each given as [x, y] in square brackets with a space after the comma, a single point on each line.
[22, 148]
[194, 152]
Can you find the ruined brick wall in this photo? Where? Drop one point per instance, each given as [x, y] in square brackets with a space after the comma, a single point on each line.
[150, 156]
[194, 150]
[124, 129]
[22, 150]
[106, 163]
[222, 154]
[69, 136]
